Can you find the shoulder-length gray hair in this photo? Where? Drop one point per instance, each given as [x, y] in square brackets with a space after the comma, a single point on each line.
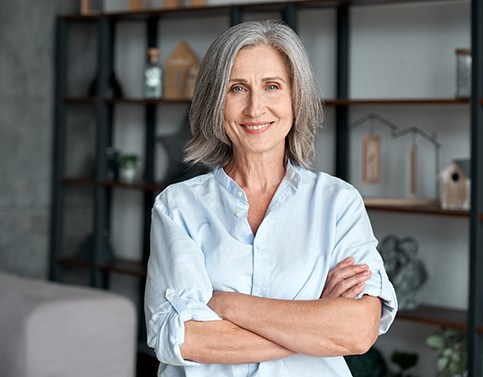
[209, 144]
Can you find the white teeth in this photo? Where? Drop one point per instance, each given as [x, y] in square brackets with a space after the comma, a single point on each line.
[259, 127]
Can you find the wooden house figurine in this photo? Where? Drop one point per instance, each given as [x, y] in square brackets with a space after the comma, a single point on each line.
[181, 72]
[455, 183]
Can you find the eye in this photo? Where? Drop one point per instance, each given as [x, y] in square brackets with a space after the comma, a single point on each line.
[272, 87]
[237, 89]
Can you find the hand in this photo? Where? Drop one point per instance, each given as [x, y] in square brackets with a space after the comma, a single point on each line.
[346, 279]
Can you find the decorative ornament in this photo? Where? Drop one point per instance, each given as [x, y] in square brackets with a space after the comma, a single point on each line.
[405, 270]
[371, 150]
[413, 185]
[371, 159]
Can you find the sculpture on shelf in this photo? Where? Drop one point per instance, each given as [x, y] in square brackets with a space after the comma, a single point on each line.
[406, 271]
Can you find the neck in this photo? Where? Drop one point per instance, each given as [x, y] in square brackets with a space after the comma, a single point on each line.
[256, 174]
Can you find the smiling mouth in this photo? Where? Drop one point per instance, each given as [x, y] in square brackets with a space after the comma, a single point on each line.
[256, 127]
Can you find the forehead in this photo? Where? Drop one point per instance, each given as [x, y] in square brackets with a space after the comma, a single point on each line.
[261, 59]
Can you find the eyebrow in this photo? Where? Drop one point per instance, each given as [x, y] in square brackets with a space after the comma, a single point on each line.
[266, 79]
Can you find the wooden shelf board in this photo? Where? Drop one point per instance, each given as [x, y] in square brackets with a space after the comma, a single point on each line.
[138, 185]
[422, 207]
[121, 266]
[439, 316]
[75, 262]
[420, 210]
[397, 101]
[145, 101]
[224, 8]
[80, 100]
[77, 181]
[87, 100]
[126, 267]
[328, 102]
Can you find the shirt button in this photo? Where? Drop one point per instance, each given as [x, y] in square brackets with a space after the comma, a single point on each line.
[239, 194]
[237, 213]
[170, 294]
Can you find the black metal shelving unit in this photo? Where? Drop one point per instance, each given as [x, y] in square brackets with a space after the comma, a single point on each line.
[475, 316]
[103, 108]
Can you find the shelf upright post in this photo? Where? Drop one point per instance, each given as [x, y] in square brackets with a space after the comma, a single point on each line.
[236, 15]
[289, 15]
[104, 61]
[110, 118]
[342, 91]
[148, 175]
[59, 142]
[475, 320]
[150, 144]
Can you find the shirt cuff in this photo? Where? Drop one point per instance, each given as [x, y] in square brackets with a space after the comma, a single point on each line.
[171, 336]
[380, 286]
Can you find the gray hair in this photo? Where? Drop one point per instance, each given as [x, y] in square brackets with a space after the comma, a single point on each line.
[209, 144]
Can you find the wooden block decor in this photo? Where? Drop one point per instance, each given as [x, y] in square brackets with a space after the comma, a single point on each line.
[196, 3]
[180, 73]
[90, 7]
[135, 5]
[171, 4]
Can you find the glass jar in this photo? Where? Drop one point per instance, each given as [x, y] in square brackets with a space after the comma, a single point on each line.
[463, 73]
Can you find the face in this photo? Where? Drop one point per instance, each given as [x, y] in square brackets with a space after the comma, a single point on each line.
[258, 111]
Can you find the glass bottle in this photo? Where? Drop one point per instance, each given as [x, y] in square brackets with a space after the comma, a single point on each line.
[153, 75]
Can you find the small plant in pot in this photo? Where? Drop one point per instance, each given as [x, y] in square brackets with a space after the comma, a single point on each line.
[128, 167]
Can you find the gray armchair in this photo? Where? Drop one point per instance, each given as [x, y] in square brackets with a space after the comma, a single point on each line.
[55, 330]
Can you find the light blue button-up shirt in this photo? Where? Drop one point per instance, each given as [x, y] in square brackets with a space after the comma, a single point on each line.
[201, 242]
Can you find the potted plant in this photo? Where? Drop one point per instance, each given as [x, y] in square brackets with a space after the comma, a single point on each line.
[128, 167]
[452, 354]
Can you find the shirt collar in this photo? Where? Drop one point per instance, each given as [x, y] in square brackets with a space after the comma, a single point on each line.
[292, 177]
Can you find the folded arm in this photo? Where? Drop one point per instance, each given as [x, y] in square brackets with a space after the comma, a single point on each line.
[325, 327]
[255, 329]
[223, 342]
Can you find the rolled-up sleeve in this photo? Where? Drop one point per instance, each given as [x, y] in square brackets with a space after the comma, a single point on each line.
[177, 286]
[355, 238]
[380, 286]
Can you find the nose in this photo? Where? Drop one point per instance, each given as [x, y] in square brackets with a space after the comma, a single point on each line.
[255, 104]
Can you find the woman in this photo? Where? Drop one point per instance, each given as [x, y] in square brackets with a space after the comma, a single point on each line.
[261, 267]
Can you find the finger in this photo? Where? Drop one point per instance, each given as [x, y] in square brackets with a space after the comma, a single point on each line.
[354, 291]
[344, 263]
[343, 286]
[335, 276]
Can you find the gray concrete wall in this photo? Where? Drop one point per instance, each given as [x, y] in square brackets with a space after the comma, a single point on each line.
[26, 113]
